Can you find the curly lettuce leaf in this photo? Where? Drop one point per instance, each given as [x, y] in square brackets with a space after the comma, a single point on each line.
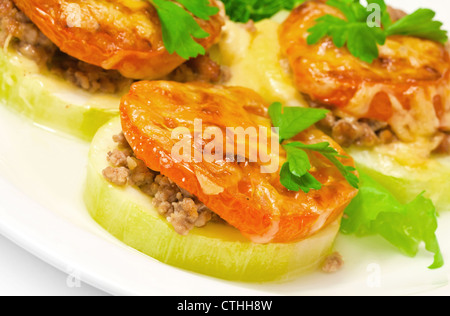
[375, 211]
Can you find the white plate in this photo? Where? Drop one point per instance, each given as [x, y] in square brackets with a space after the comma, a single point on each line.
[41, 209]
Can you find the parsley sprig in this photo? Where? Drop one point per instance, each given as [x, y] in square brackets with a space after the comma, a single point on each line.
[361, 38]
[179, 28]
[295, 173]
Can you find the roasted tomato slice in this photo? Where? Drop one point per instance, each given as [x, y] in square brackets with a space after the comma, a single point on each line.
[248, 199]
[121, 35]
[407, 86]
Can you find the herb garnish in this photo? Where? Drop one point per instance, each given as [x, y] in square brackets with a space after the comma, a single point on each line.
[179, 28]
[256, 10]
[362, 38]
[295, 175]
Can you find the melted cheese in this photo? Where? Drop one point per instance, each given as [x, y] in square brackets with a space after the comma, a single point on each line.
[127, 16]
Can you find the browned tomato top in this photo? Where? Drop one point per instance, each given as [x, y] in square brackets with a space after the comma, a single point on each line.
[114, 34]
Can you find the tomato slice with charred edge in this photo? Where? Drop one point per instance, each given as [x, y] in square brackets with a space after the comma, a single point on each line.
[120, 35]
[254, 202]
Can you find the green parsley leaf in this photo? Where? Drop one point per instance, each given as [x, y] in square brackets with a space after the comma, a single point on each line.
[346, 171]
[256, 10]
[419, 24]
[328, 25]
[361, 38]
[200, 8]
[295, 173]
[331, 154]
[293, 120]
[376, 211]
[299, 164]
[385, 17]
[179, 28]
[294, 183]
[362, 42]
[352, 10]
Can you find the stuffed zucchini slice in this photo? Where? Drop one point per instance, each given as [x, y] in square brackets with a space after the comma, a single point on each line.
[264, 232]
[217, 249]
[391, 114]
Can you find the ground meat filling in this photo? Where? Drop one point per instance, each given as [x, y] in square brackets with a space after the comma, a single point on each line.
[368, 133]
[348, 131]
[18, 32]
[180, 208]
[202, 69]
[86, 76]
[333, 263]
